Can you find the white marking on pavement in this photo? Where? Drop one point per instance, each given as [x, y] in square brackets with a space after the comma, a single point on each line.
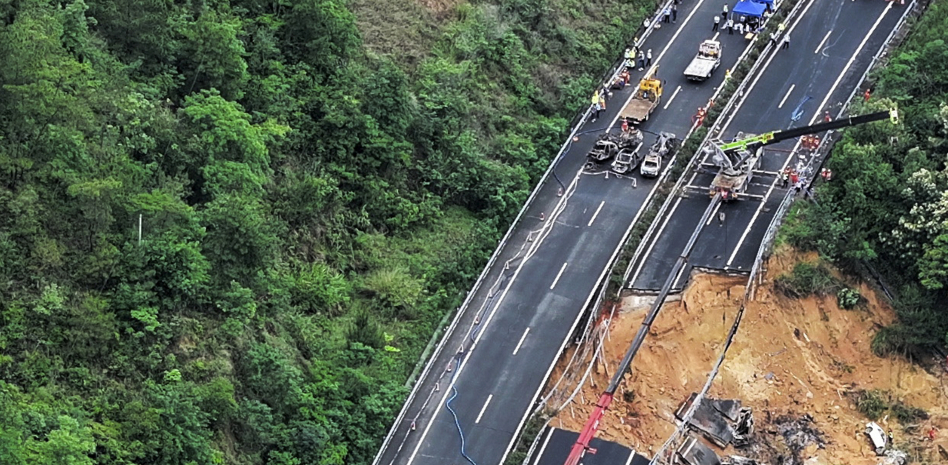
[490, 316]
[657, 236]
[850, 62]
[596, 214]
[672, 98]
[762, 69]
[517, 349]
[818, 47]
[713, 214]
[546, 441]
[785, 96]
[479, 415]
[557, 279]
[631, 453]
[659, 58]
[716, 35]
[813, 120]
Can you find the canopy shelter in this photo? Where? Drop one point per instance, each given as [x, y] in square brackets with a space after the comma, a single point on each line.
[750, 8]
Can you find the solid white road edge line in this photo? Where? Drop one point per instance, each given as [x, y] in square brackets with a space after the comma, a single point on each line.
[479, 415]
[762, 69]
[658, 59]
[536, 244]
[713, 214]
[589, 298]
[850, 62]
[549, 434]
[813, 120]
[657, 236]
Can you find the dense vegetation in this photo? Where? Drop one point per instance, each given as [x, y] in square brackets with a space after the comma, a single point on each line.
[887, 205]
[315, 185]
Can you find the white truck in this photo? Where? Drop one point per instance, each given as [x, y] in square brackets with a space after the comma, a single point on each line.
[705, 62]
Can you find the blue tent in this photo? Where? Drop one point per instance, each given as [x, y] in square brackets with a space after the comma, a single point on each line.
[749, 8]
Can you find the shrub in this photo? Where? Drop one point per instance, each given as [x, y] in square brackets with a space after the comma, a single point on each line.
[806, 279]
[907, 413]
[848, 298]
[872, 403]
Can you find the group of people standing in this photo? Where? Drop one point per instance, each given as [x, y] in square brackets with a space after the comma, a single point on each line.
[741, 24]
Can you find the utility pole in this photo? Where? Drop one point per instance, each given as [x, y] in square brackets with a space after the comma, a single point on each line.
[139, 229]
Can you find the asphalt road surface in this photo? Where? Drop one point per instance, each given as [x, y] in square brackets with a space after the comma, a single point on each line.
[533, 297]
[832, 44]
[555, 445]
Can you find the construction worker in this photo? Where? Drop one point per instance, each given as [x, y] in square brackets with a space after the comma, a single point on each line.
[625, 126]
[724, 11]
[595, 104]
[629, 57]
[641, 60]
[865, 96]
[931, 433]
[826, 117]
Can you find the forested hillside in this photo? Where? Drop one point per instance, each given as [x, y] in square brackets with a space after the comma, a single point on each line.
[887, 204]
[229, 228]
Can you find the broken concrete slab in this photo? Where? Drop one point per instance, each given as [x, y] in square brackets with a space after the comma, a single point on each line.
[694, 452]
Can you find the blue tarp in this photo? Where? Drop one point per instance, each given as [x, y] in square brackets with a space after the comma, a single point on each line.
[749, 8]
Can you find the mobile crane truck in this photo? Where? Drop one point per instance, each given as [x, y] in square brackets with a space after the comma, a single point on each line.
[737, 160]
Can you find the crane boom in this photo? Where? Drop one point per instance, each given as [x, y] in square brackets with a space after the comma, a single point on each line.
[774, 137]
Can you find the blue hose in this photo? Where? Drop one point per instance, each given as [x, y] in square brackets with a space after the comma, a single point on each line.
[447, 405]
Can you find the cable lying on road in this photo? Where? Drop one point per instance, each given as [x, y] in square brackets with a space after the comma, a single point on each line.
[447, 405]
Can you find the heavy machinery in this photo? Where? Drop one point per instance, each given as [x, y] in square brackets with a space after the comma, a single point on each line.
[664, 145]
[645, 100]
[748, 147]
[705, 62]
[737, 160]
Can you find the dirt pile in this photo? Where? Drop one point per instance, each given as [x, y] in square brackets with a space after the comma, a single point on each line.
[796, 362]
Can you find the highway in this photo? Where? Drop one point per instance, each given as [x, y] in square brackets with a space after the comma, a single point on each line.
[555, 444]
[832, 45]
[823, 83]
[499, 354]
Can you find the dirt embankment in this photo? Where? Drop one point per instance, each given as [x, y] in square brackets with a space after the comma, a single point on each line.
[790, 356]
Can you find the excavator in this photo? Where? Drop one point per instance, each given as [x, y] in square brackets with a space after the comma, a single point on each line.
[737, 160]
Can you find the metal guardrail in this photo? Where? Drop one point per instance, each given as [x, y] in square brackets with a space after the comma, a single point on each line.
[762, 252]
[576, 123]
[739, 91]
